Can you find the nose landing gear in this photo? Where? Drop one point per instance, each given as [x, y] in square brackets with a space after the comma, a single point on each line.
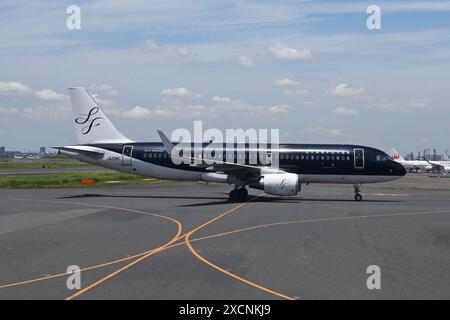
[238, 194]
[358, 196]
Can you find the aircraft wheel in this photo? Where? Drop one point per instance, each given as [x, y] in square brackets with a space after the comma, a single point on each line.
[243, 193]
[358, 197]
[234, 195]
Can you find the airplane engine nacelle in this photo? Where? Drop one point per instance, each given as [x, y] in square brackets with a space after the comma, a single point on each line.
[283, 184]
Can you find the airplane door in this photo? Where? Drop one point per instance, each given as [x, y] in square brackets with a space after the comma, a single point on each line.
[269, 158]
[127, 155]
[358, 158]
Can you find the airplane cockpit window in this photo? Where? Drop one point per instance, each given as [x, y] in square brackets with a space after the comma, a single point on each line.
[382, 157]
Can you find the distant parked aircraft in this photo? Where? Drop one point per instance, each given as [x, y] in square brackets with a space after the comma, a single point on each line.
[422, 165]
[411, 165]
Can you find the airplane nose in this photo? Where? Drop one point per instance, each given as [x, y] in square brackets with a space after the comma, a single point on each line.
[398, 169]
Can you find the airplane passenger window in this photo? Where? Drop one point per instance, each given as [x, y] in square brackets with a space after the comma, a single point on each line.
[145, 155]
[292, 157]
[149, 154]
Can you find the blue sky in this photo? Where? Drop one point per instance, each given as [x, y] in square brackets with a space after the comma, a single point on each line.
[310, 68]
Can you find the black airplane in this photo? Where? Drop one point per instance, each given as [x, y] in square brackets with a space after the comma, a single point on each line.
[277, 170]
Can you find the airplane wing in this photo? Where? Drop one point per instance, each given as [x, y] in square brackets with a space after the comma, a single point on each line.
[241, 171]
[437, 166]
[84, 150]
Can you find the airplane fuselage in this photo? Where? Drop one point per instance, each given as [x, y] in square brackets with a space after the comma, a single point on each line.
[313, 163]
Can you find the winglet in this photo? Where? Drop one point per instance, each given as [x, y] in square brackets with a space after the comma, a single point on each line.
[166, 142]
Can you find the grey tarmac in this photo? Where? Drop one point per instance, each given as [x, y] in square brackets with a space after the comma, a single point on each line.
[317, 245]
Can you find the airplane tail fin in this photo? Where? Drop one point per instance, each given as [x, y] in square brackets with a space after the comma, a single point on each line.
[396, 156]
[91, 123]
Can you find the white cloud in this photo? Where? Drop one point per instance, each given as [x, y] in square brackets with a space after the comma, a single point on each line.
[283, 108]
[137, 112]
[297, 93]
[13, 88]
[162, 111]
[223, 100]
[286, 53]
[343, 90]
[50, 95]
[285, 83]
[104, 88]
[246, 62]
[179, 92]
[344, 111]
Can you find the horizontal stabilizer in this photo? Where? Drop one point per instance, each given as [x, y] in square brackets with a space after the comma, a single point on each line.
[83, 150]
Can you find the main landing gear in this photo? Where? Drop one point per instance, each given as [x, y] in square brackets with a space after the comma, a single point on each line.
[358, 196]
[238, 194]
